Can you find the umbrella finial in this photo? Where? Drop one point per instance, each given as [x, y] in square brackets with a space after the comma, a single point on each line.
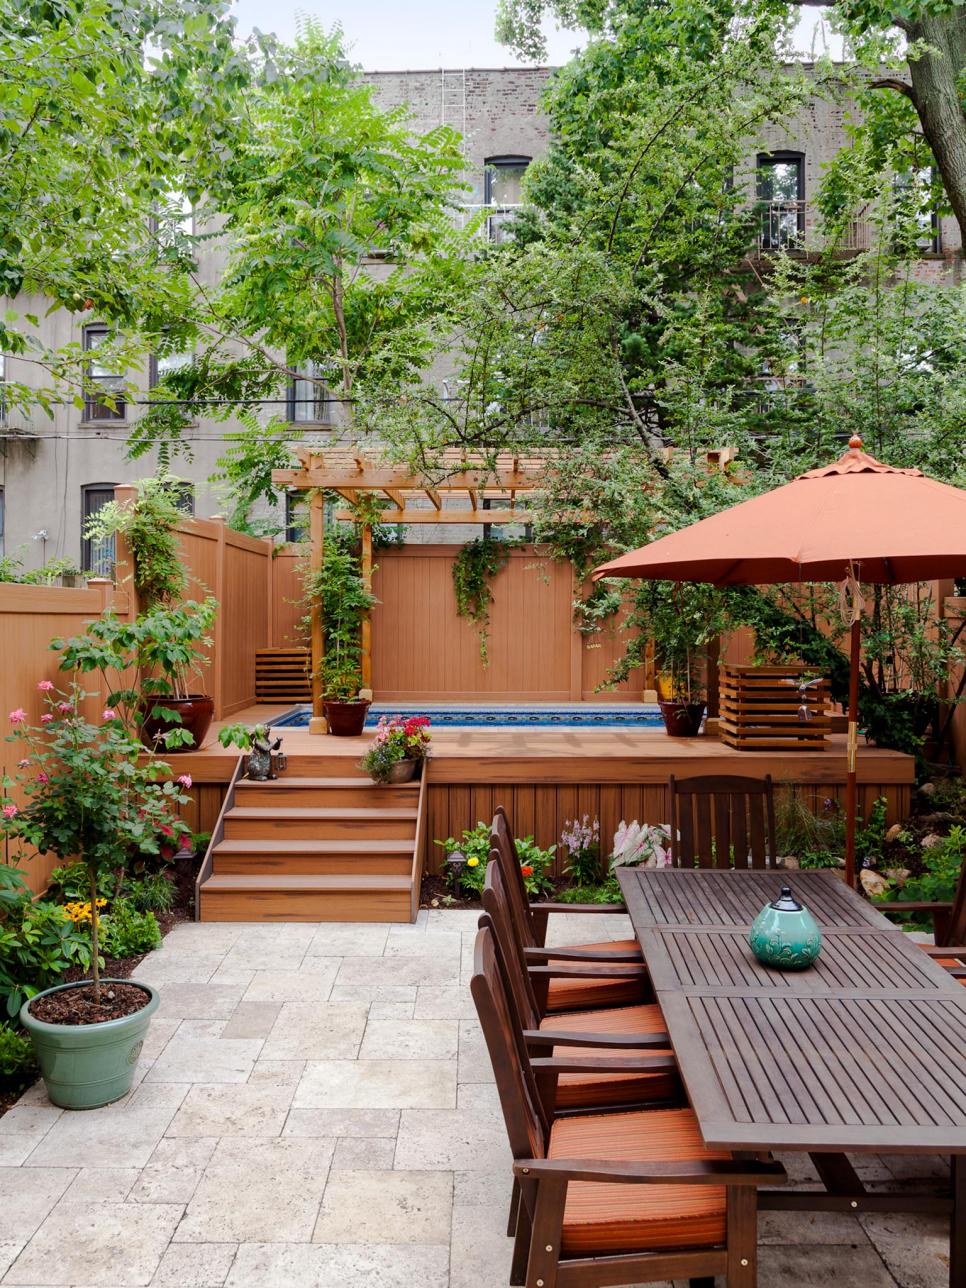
[855, 442]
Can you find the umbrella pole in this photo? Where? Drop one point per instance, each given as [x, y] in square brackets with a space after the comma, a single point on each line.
[851, 781]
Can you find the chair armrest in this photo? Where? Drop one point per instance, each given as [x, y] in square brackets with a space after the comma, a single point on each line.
[697, 1171]
[899, 905]
[608, 1064]
[578, 907]
[582, 954]
[557, 1037]
[630, 970]
[935, 950]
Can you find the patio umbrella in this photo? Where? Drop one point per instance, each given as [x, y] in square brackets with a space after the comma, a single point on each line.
[856, 520]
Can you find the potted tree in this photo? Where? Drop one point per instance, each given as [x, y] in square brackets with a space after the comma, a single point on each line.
[87, 798]
[681, 620]
[164, 646]
[339, 588]
[145, 666]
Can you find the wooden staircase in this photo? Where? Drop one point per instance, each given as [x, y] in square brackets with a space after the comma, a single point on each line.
[313, 846]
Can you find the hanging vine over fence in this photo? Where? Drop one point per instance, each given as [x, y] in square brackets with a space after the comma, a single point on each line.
[473, 569]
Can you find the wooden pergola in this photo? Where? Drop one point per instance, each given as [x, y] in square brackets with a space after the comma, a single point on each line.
[453, 494]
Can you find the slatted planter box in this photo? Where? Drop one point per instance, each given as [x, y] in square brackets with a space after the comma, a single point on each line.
[760, 709]
[282, 675]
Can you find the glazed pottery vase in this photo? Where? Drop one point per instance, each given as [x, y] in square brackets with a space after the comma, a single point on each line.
[785, 934]
[347, 718]
[196, 712]
[85, 1066]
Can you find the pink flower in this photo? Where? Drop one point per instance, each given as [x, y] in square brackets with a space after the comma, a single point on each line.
[22, 764]
[185, 780]
[46, 718]
[45, 686]
[18, 716]
[65, 707]
[109, 714]
[10, 811]
[42, 778]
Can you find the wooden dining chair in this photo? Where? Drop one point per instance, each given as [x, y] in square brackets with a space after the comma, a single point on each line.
[609, 1198]
[536, 915]
[722, 821]
[625, 1031]
[948, 923]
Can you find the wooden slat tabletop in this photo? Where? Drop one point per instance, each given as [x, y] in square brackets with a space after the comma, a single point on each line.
[865, 1051]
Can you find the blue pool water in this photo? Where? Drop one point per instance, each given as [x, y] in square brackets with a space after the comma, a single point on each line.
[638, 716]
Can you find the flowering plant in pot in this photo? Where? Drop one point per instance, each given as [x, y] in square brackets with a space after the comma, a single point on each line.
[398, 749]
[87, 796]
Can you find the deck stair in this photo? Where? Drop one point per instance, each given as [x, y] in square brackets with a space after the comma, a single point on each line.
[315, 846]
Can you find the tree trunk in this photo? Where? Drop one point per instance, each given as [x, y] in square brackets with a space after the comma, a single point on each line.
[937, 100]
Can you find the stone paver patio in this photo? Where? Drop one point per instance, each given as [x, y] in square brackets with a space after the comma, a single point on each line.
[314, 1106]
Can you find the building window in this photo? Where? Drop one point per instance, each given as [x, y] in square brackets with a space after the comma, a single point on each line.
[162, 364]
[3, 388]
[97, 553]
[504, 531]
[3, 517]
[503, 188]
[309, 401]
[102, 374]
[781, 196]
[296, 519]
[915, 207]
[173, 221]
[183, 495]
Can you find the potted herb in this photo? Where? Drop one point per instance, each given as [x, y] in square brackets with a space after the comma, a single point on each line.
[398, 749]
[146, 667]
[87, 796]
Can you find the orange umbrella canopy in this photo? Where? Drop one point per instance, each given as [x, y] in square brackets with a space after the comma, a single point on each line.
[890, 525]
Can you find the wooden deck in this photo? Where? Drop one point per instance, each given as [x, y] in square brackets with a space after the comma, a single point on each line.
[546, 776]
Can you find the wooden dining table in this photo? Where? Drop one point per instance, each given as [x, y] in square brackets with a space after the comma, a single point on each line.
[864, 1052]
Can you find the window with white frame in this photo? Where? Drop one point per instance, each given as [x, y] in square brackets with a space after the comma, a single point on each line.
[503, 189]
[309, 401]
[781, 196]
[102, 373]
[97, 553]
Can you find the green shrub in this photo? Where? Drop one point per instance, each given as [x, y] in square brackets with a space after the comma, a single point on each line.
[535, 863]
[801, 831]
[71, 883]
[126, 932]
[608, 891]
[941, 866]
[38, 944]
[154, 892]
[18, 1068]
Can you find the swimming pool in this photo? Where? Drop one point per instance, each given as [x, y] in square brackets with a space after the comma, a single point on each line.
[618, 716]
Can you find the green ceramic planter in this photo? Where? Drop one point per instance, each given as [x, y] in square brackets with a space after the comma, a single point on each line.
[785, 934]
[88, 1065]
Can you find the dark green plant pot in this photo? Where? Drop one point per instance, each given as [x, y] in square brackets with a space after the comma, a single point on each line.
[88, 1065]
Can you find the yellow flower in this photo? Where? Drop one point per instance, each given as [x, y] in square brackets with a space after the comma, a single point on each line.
[472, 863]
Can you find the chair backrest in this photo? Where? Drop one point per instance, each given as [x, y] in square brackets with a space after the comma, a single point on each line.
[526, 1124]
[722, 822]
[497, 907]
[503, 849]
[956, 930]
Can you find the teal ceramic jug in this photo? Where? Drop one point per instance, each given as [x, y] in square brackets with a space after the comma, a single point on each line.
[785, 934]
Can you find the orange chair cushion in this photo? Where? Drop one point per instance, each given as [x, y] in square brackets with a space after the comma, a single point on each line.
[583, 1090]
[572, 994]
[951, 963]
[604, 1218]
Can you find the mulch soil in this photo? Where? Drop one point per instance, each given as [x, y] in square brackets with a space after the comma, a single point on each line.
[79, 1006]
[436, 893]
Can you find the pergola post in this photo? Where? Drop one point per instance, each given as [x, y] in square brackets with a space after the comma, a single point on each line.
[366, 632]
[317, 722]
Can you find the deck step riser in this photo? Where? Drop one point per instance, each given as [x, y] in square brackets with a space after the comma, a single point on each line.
[313, 865]
[310, 766]
[311, 829]
[322, 797]
[284, 906]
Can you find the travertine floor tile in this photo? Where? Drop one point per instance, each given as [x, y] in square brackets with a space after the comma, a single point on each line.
[194, 1265]
[253, 1109]
[121, 1135]
[26, 1196]
[465, 1140]
[410, 1040]
[386, 1207]
[97, 1244]
[316, 1031]
[340, 1266]
[377, 1084]
[205, 1059]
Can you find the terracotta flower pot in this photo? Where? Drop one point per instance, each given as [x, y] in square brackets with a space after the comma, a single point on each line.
[403, 771]
[682, 719]
[346, 719]
[196, 713]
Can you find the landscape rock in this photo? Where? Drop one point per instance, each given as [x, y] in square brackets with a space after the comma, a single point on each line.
[790, 862]
[873, 883]
[927, 789]
[898, 876]
[933, 839]
[893, 833]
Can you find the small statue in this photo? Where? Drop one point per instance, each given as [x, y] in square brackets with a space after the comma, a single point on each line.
[260, 755]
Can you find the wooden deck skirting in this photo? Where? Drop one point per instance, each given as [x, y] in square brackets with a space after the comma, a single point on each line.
[544, 777]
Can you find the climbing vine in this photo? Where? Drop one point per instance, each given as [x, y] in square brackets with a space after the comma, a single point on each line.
[473, 569]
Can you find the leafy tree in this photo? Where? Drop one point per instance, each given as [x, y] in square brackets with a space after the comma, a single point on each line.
[110, 114]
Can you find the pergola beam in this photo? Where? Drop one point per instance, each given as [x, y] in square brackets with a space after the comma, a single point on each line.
[444, 516]
[378, 479]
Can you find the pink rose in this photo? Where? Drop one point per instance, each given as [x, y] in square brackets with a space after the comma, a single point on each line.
[22, 764]
[65, 707]
[18, 716]
[185, 780]
[109, 714]
[42, 778]
[10, 811]
[46, 718]
[45, 686]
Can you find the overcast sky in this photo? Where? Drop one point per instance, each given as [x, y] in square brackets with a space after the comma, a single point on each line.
[414, 34]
